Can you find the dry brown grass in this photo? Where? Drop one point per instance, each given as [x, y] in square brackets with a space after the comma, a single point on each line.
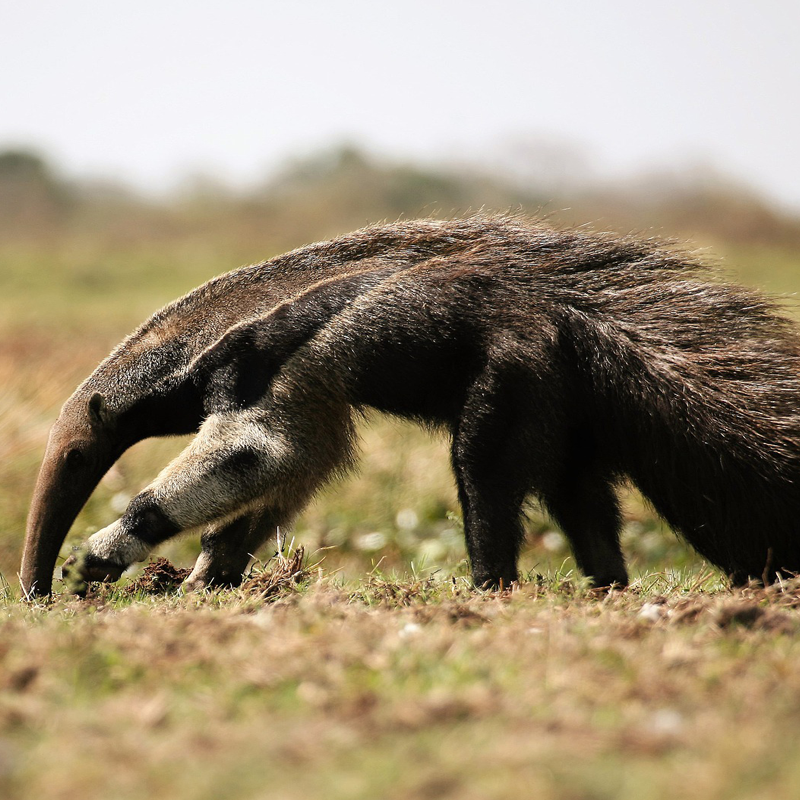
[282, 575]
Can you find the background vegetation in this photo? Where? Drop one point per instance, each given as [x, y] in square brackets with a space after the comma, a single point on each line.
[380, 674]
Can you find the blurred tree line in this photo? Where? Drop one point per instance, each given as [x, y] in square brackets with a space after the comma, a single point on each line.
[344, 188]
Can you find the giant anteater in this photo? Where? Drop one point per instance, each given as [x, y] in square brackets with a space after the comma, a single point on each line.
[560, 363]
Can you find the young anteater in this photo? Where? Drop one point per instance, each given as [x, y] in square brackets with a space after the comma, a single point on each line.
[560, 363]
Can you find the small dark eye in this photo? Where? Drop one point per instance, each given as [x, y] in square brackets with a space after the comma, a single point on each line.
[74, 457]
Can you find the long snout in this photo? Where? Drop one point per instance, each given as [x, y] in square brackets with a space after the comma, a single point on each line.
[64, 484]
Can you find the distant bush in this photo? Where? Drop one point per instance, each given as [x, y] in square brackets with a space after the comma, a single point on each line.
[32, 196]
[339, 189]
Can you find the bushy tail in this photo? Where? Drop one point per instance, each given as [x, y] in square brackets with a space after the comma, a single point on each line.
[697, 385]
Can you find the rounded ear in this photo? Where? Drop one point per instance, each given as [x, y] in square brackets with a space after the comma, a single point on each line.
[98, 409]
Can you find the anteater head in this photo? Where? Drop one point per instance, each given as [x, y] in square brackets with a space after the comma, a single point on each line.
[139, 391]
[82, 446]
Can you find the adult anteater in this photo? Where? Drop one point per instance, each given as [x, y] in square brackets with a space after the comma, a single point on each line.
[560, 362]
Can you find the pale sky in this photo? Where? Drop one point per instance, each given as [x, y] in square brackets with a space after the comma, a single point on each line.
[150, 90]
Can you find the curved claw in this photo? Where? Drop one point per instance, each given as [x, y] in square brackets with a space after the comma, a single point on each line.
[82, 566]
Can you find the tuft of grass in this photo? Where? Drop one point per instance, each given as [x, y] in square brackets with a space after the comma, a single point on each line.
[280, 576]
[379, 589]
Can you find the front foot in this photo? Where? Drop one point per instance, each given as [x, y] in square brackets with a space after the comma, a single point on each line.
[82, 566]
[207, 573]
[104, 557]
[603, 584]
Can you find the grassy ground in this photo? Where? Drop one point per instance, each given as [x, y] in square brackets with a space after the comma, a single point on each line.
[403, 688]
[379, 674]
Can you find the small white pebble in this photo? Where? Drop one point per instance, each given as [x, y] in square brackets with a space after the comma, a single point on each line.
[432, 550]
[410, 629]
[407, 519]
[370, 542]
[261, 619]
[666, 721]
[652, 612]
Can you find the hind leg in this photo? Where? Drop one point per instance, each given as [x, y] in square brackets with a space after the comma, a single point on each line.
[228, 547]
[492, 525]
[585, 506]
[489, 458]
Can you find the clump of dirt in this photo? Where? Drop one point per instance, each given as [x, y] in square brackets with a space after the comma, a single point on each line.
[743, 613]
[280, 576]
[457, 614]
[747, 614]
[158, 577]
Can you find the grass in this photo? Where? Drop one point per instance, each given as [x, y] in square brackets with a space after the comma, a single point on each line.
[373, 669]
[404, 687]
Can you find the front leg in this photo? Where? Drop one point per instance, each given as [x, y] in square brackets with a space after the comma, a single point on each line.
[110, 551]
[239, 462]
[229, 465]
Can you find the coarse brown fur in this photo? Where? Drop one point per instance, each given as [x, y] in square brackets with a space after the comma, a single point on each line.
[560, 362]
